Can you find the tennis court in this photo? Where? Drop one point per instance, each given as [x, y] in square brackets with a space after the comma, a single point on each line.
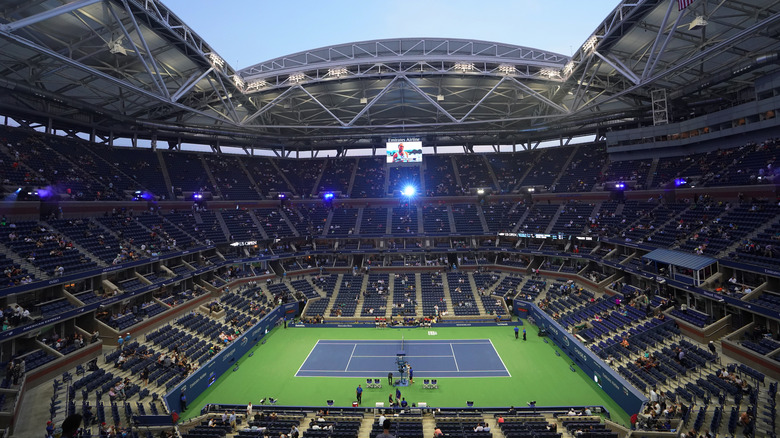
[428, 358]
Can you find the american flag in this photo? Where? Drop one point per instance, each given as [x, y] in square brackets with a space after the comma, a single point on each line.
[682, 4]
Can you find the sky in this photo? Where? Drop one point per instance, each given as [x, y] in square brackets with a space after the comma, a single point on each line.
[247, 32]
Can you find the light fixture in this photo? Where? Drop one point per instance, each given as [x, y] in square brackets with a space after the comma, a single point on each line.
[297, 77]
[480, 192]
[507, 69]
[549, 73]
[256, 85]
[216, 61]
[568, 68]
[697, 23]
[439, 97]
[338, 72]
[238, 82]
[590, 44]
[464, 66]
[363, 101]
[409, 191]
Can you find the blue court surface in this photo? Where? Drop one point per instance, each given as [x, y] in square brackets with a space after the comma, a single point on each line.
[439, 358]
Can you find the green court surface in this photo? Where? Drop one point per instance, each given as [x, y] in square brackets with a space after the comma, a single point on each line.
[537, 374]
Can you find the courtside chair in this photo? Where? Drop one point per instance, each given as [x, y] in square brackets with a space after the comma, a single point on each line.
[377, 383]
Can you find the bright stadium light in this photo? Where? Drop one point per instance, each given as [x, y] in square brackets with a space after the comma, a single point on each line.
[216, 61]
[328, 196]
[256, 85]
[549, 73]
[507, 69]
[568, 68]
[238, 82]
[464, 66]
[590, 44]
[297, 77]
[409, 191]
[480, 192]
[338, 72]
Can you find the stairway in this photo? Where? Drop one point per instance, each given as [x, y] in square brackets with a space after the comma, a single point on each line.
[210, 176]
[651, 173]
[283, 176]
[521, 220]
[493, 176]
[555, 218]
[565, 166]
[418, 296]
[481, 215]
[222, 224]
[475, 291]
[336, 290]
[458, 182]
[256, 221]
[27, 266]
[166, 175]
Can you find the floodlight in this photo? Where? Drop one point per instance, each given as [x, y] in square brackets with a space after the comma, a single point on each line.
[507, 69]
[568, 68]
[338, 72]
[409, 191]
[464, 66]
[328, 196]
[480, 192]
[297, 77]
[531, 189]
[590, 44]
[439, 97]
[282, 196]
[238, 82]
[216, 60]
[256, 85]
[620, 186]
[549, 73]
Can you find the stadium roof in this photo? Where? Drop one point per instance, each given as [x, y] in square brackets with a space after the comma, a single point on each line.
[132, 67]
[681, 259]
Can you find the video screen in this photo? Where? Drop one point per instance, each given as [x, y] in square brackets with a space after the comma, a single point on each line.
[400, 151]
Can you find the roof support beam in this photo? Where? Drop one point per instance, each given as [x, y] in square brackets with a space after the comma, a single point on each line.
[650, 67]
[267, 107]
[37, 18]
[619, 67]
[323, 106]
[191, 82]
[661, 32]
[374, 100]
[535, 94]
[105, 76]
[429, 99]
[482, 100]
[156, 76]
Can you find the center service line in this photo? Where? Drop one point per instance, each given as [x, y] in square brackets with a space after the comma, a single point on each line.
[350, 358]
[454, 358]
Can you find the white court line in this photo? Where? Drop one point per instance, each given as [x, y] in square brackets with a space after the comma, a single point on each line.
[454, 358]
[404, 356]
[426, 371]
[307, 358]
[350, 358]
[499, 358]
[413, 341]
